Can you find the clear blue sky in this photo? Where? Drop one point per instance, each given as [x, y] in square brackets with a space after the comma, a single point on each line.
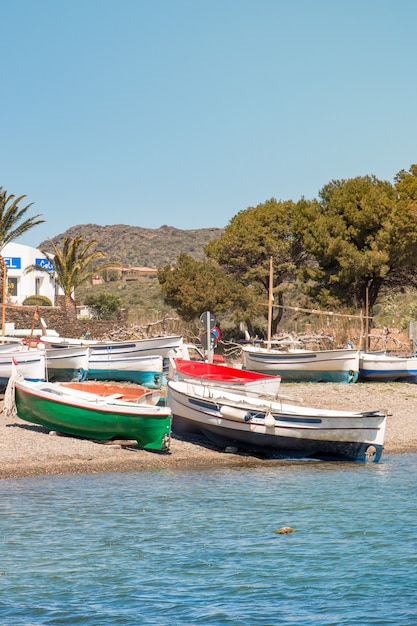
[185, 112]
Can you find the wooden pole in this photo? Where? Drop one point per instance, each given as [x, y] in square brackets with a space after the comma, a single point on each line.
[362, 336]
[35, 319]
[3, 314]
[367, 319]
[270, 303]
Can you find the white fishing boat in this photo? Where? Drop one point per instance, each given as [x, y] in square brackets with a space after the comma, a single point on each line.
[274, 428]
[166, 347]
[138, 360]
[67, 363]
[385, 367]
[113, 365]
[8, 344]
[64, 363]
[30, 364]
[297, 365]
[233, 378]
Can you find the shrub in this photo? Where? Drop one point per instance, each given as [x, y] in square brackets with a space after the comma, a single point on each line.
[104, 306]
[37, 301]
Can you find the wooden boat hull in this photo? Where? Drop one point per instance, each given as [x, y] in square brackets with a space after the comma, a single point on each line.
[386, 368]
[87, 415]
[336, 366]
[275, 429]
[67, 363]
[30, 364]
[142, 370]
[163, 346]
[243, 381]
[115, 360]
[10, 344]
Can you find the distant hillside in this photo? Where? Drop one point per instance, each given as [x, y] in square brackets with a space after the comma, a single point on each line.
[136, 246]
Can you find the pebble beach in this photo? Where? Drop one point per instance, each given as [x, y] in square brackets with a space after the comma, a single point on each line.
[30, 450]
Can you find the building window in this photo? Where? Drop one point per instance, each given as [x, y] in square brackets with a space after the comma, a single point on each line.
[38, 283]
[12, 286]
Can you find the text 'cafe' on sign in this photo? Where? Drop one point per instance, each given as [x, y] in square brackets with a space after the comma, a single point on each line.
[15, 263]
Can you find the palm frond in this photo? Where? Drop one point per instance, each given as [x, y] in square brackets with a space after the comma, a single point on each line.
[74, 263]
[11, 216]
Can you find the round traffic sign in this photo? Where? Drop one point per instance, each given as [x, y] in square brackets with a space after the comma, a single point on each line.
[216, 332]
[205, 341]
[208, 319]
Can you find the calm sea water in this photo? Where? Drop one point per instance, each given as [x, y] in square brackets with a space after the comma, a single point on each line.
[172, 547]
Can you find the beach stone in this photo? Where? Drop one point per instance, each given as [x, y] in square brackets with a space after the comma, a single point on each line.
[285, 530]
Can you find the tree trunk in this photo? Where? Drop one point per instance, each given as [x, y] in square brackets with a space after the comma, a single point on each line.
[249, 326]
[280, 312]
[70, 308]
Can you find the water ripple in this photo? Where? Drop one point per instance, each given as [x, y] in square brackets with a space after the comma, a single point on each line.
[201, 547]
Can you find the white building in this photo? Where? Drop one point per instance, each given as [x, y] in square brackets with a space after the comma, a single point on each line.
[21, 285]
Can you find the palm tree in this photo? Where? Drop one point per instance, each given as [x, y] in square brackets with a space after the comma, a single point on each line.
[10, 228]
[73, 264]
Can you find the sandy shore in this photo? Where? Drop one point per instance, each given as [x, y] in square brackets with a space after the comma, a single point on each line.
[29, 450]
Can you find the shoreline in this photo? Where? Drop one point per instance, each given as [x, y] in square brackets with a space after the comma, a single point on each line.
[28, 450]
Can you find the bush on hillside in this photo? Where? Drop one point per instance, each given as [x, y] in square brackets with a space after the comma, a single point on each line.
[104, 306]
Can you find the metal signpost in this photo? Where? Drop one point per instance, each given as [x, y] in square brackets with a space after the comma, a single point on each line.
[208, 339]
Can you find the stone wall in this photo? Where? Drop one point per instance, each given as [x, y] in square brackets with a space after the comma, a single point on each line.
[56, 319]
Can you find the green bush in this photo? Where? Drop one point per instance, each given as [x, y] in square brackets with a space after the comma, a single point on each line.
[104, 306]
[37, 301]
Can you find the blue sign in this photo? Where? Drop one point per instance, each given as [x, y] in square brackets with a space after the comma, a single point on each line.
[45, 263]
[13, 263]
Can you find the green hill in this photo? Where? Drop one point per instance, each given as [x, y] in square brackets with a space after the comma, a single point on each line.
[136, 246]
[139, 247]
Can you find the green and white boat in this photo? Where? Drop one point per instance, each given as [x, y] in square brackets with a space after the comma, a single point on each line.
[61, 408]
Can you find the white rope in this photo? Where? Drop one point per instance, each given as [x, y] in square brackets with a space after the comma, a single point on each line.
[9, 395]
